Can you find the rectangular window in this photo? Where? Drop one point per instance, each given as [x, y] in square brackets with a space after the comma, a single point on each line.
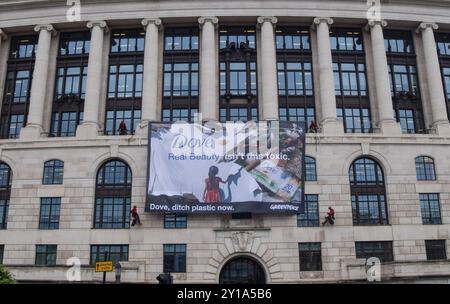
[114, 253]
[23, 47]
[112, 212]
[125, 81]
[16, 123]
[174, 258]
[297, 114]
[295, 79]
[310, 256]
[294, 39]
[404, 81]
[49, 214]
[180, 79]
[398, 42]
[238, 78]
[131, 118]
[71, 84]
[182, 114]
[74, 44]
[45, 255]
[2, 250]
[436, 250]
[350, 79]
[381, 250]
[65, 124]
[128, 41]
[180, 40]
[4, 204]
[238, 114]
[430, 209]
[346, 40]
[310, 218]
[237, 38]
[355, 120]
[175, 221]
[369, 209]
[18, 86]
[407, 121]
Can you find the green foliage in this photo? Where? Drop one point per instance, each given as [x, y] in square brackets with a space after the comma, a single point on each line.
[5, 276]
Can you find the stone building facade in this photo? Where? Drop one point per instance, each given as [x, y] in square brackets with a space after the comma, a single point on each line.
[408, 144]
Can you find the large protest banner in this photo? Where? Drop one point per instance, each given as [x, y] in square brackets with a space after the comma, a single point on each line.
[231, 167]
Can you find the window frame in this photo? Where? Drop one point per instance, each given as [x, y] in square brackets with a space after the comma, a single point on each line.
[52, 165]
[112, 191]
[49, 251]
[428, 199]
[312, 255]
[5, 193]
[124, 251]
[368, 187]
[308, 221]
[174, 105]
[386, 256]
[168, 254]
[179, 221]
[10, 108]
[428, 175]
[48, 221]
[355, 57]
[431, 245]
[242, 53]
[405, 100]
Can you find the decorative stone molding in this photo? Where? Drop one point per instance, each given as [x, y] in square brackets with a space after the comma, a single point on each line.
[245, 243]
[263, 19]
[100, 23]
[148, 21]
[242, 239]
[212, 19]
[425, 25]
[372, 23]
[45, 27]
[319, 20]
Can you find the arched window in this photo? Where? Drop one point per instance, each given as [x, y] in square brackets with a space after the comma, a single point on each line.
[310, 165]
[425, 168]
[113, 195]
[369, 206]
[53, 172]
[5, 192]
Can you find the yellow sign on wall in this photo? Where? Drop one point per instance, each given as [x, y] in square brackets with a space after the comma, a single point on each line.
[104, 266]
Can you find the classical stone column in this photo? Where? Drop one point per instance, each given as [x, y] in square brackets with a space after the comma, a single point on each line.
[208, 69]
[269, 96]
[34, 127]
[434, 79]
[151, 72]
[3, 36]
[387, 122]
[90, 127]
[330, 124]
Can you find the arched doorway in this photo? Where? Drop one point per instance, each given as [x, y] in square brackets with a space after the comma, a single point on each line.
[242, 270]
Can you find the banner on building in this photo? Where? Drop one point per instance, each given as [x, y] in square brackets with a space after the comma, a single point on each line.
[231, 167]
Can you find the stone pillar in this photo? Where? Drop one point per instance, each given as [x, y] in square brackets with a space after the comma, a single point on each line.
[329, 123]
[3, 36]
[387, 122]
[151, 72]
[34, 127]
[90, 127]
[434, 79]
[208, 69]
[269, 96]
